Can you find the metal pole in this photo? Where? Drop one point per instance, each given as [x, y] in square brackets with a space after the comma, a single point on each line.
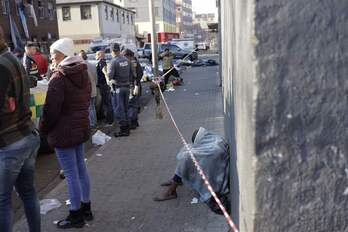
[218, 2]
[153, 38]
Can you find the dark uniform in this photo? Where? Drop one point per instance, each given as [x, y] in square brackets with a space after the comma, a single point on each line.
[134, 106]
[121, 72]
[106, 107]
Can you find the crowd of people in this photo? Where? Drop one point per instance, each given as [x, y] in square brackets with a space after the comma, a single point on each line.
[68, 115]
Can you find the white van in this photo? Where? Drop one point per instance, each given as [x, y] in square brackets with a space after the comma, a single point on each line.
[185, 44]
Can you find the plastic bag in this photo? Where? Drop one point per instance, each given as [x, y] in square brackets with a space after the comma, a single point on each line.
[47, 205]
[99, 138]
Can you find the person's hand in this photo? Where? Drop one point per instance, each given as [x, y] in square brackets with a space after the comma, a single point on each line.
[11, 104]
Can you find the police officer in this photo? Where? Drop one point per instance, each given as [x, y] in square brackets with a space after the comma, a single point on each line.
[134, 107]
[120, 72]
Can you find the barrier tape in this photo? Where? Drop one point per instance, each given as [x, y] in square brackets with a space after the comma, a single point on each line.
[194, 160]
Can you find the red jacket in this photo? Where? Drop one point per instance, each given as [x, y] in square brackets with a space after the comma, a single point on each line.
[42, 63]
[65, 113]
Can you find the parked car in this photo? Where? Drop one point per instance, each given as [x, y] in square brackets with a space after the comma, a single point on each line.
[179, 53]
[140, 52]
[147, 50]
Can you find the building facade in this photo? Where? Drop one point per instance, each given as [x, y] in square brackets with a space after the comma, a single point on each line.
[36, 22]
[202, 29]
[184, 15]
[165, 14]
[205, 19]
[85, 21]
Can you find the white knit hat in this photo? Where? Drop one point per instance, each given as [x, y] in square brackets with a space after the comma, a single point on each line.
[65, 46]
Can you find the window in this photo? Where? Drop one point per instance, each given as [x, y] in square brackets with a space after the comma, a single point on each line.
[117, 16]
[128, 18]
[85, 12]
[112, 15]
[106, 13]
[66, 13]
[123, 18]
[5, 6]
[50, 10]
[41, 9]
[134, 10]
[156, 11]
[131, 17]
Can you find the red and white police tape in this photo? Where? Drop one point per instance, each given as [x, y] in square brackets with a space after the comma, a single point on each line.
[198, 167]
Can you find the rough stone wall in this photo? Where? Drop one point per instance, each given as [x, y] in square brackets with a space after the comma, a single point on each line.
[302, 115]
[290, 77]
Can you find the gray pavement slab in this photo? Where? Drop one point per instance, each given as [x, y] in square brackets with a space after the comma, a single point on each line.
[127, 175]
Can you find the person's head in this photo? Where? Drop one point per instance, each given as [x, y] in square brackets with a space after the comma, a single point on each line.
[128, 53]
[18, 52]
[99, 55]
[166, 50]
[61, 49]
[83, 55]
[30, 49]
[115, 49]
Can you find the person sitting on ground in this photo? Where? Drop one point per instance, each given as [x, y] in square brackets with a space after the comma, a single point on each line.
[212, 153]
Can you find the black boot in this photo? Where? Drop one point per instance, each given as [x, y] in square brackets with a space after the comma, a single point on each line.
[74, 220]
[134, 124]
[124, 131]
[86, 211]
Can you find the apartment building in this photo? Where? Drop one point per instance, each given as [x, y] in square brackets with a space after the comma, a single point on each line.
[165, 14]
[184, 15]
[36, 22]
[88, 20]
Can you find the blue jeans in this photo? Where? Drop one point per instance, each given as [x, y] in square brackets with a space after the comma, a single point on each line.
[72, 161]
[17, 167]
[122, 96]
[92, 113]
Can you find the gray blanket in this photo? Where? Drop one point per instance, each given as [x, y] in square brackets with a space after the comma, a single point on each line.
[212, 153]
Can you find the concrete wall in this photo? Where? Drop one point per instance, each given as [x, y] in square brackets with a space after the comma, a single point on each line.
[285, 67]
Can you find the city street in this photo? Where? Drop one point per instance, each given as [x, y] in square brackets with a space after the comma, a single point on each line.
[126, 172]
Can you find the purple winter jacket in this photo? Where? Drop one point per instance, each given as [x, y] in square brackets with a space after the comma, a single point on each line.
[65, 114]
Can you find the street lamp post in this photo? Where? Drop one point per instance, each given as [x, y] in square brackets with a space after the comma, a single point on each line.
[153, 38]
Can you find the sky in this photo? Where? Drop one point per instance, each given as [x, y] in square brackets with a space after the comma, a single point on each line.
[204, 6]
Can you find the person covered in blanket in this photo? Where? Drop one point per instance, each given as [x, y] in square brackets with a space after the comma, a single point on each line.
[134, 101]
[212, 153]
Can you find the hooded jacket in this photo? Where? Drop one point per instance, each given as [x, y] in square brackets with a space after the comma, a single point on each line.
[65, 113]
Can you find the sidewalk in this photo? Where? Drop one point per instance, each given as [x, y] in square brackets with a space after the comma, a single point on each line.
[127, 175]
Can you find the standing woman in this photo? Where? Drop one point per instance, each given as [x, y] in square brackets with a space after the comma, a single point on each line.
[65, 122]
